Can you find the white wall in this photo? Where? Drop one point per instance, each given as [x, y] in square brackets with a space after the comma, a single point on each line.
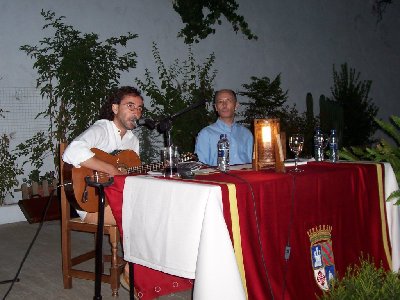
[299, 39]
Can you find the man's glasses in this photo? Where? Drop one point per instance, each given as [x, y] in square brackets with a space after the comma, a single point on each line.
[132, 106]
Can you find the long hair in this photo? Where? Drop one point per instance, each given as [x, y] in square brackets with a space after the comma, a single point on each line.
[115, 98]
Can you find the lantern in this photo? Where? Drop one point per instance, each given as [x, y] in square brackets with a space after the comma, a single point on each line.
[268, 152]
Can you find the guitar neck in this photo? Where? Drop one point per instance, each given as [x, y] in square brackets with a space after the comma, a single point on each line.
[146, 168]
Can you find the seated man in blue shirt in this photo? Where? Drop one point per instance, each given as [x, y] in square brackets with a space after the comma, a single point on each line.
[240, 138]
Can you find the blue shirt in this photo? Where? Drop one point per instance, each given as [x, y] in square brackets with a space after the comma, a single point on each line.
[240, 143]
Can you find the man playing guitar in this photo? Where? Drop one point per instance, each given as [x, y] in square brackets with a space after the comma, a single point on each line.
[111, 132]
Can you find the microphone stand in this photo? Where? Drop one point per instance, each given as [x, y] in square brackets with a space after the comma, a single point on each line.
[99, 237]
[165, 125]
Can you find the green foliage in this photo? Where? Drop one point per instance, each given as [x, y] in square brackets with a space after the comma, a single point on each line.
[181, 84]
[35, 176]
[358, 109]
[76, 71]
[365, 281]
[267, 100]
[9, 169]
[331, 116]
[198, 26]
[36, 149]
[382, 151]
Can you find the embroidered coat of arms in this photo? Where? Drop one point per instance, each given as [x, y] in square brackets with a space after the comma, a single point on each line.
[322, 261]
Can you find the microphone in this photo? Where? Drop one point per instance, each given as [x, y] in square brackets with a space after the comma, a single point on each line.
[150, 124]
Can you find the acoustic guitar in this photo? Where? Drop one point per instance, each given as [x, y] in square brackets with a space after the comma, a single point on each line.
[83, 197]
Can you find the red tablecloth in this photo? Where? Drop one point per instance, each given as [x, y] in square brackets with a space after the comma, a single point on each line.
[281, 212]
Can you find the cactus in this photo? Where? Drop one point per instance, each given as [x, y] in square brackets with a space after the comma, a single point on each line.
[310, 108]
[310, 126]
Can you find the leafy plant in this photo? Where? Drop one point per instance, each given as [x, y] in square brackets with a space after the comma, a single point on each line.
[76, 72]
[35, 176]
[331, 116]
[382, 151]
[198, 26]
[9, 169]
[358, 109]
[181, 85]
[267, 100]
[36, 149]
[365, 281]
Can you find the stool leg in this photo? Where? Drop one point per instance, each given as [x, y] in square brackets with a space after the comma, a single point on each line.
[99, 244]
[131, 283]
[115, 268]
[66, 256]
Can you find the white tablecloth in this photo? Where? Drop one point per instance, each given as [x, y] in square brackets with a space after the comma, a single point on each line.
[179, 228]
[393, 216]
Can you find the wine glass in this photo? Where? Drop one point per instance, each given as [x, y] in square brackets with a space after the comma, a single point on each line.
[296, 142]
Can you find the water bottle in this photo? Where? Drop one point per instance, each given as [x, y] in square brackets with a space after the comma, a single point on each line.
[223, 153]
[319, 145]
[333, 147]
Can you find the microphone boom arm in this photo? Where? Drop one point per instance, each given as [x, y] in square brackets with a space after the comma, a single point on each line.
[165, 125]
[187, 109]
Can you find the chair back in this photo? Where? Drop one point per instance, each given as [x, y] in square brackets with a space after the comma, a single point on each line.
[65, 206]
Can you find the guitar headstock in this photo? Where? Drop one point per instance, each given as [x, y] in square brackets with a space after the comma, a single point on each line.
[188, 156]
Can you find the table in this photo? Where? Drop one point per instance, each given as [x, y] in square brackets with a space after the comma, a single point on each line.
[186, 227]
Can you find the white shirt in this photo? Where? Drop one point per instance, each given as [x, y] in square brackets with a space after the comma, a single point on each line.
[103, 135]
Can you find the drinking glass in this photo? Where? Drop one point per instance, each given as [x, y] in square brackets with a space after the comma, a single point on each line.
[320, 143]
[171, 158]
[296, 142]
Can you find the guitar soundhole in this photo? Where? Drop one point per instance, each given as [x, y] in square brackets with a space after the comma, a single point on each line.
[123, 168]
